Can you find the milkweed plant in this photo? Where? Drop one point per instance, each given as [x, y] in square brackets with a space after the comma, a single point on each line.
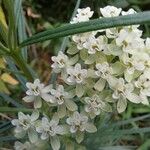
[101, 71]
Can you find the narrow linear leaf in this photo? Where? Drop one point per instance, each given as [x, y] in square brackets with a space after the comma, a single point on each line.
[20, 78]
[17, 10]
[14, 110]
[135, 131]
[7, 138]
[3, 26]
[124, 122]
[5, 124]
[6, 128]
[12, 38]
[10, 100]
[20, 24]
[96, 24]
[117, 148]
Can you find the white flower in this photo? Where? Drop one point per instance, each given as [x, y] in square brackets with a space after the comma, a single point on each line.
[95, 44]
[35, 92]
[79, 123]
[130, 40]
[94, 105]
[82, 15]
[123, 90]
[112, 32]
[143, 83]
[110, 11]
[80, 39]
[129, 12]
[76, 74]
[26, 124]
[23, 146]
[144, 99]
[49, 128]
[141, 61]
[59, 95]
[103, 70]
[147, 44]
[60, 62]
[138, 61]
[62, 98]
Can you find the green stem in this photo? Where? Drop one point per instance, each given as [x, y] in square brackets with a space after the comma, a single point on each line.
[22, 64]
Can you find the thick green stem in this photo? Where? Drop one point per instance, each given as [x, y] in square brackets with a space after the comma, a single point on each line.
[22, 65]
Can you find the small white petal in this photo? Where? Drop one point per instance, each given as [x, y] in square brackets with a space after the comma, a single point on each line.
[38, 103]
[29, 98]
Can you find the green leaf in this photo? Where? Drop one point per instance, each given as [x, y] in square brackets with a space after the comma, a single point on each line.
[4, 50]
[14, 110]
[10, 100]
[7, 138]
[17, 10]
[117, 148]
[3, 26]
[135, 131]
[145, 145]
[20, 24]
[20, 78]
[5, 126]
[12, 37]
[119, 3]
[139, 2]
[128, 121]
[96, 24]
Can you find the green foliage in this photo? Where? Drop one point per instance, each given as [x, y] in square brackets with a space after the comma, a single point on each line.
[96, 24]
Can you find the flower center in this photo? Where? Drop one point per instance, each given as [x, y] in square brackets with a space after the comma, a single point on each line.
[78, 76]
[95, 47]
[36, 91]
[60, 99]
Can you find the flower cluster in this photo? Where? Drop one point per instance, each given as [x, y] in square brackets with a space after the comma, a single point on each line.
[100, 71]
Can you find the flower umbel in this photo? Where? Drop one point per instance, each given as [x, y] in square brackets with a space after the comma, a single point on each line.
[100, 72]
